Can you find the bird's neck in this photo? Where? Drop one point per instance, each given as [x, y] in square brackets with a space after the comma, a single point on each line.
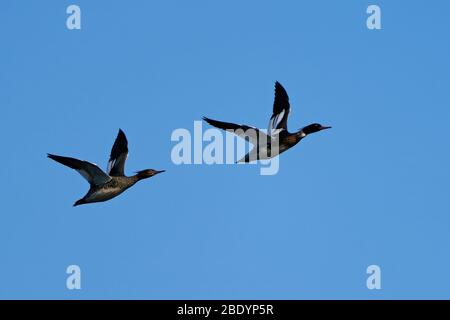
[293, 138]
[300, 134]
[141, 175]
[136, 178]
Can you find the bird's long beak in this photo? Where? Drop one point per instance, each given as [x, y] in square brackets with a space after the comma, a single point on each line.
[160, 171]
[324, 128]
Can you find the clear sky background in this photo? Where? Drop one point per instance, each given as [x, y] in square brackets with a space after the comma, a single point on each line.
[373, 190]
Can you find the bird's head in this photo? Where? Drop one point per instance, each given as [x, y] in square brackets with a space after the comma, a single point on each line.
[148, 173]
[312, 128]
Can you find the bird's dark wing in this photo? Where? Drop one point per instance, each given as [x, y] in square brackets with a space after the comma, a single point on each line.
[93, 174]
[243, 131]
[281, 109]
[119, 154]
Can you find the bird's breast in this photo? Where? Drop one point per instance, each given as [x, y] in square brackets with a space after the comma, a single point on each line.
[104, 194]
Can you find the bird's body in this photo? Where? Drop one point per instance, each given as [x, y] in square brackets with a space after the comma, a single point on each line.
[105, 186]
[277, 139]
[109, 190]
[272, 148]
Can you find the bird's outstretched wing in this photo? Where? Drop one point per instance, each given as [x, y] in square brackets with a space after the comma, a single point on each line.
[119, 154]
[255, 135]
[281, 109]
[93, 174]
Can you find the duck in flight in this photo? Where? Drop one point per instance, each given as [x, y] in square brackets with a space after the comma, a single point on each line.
[264, 144]
[106, 185]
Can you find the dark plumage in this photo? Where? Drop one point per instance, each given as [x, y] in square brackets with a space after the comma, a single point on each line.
[119, 154]
[105, 186]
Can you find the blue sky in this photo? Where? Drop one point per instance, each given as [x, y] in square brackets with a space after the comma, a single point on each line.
[373, 190]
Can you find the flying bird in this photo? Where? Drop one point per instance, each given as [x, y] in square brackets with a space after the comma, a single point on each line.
[106, 185]
[277, 139]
